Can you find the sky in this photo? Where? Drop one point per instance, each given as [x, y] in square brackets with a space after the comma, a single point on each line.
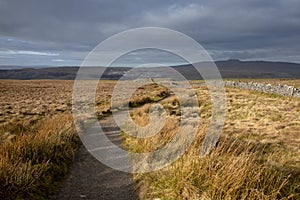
[63, 32]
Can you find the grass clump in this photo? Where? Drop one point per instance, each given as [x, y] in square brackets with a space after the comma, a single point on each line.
[251, 160]
[234, 170]
[32, 165]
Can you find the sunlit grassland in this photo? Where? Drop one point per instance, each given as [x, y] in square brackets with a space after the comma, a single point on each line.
[257, 156]
[34, 162]
[38, 148]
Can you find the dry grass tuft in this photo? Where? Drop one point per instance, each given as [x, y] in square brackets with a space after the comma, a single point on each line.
[227, 173]
[251, 161]
[32, 166]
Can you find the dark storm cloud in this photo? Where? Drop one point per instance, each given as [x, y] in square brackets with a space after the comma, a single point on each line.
[64, 31]
[73, 21]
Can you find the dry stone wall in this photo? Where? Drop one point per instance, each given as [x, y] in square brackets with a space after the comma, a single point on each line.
[284, 90]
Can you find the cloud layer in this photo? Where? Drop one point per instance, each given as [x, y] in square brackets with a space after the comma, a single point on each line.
[63, 32]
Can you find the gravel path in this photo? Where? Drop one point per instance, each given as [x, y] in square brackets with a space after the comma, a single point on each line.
[90, 179]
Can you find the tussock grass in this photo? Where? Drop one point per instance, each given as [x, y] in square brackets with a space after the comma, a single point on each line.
[36, 151]
[232, 171]
[257, 157]
[145, 94]
[32, 165]
[254, 159]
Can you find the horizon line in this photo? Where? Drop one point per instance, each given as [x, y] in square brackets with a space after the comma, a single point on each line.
[130, 66]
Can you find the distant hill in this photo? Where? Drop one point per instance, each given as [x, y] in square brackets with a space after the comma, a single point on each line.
[248, 69]
[228, 69]
[62, 73]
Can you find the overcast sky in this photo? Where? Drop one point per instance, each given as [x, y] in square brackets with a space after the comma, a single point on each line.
[62, 32]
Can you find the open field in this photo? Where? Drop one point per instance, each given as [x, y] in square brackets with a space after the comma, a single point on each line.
[28, 100]
[38, 139]
[34, 99]
[258, 156]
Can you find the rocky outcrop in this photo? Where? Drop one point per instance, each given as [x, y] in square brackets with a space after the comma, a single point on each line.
[284, 90]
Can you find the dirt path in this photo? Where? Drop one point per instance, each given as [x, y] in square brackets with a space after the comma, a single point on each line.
[90, 179]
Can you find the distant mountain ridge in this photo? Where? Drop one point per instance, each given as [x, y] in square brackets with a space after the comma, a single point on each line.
[248, 69]
[228, 69]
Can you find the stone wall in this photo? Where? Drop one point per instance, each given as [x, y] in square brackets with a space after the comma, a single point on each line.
[284, 90]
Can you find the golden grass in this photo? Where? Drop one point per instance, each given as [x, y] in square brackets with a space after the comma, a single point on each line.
[232, 171]
[257, 156]
[23, 100]
[150, 92]
[32, 165]
[37, 137]
[263, 118]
